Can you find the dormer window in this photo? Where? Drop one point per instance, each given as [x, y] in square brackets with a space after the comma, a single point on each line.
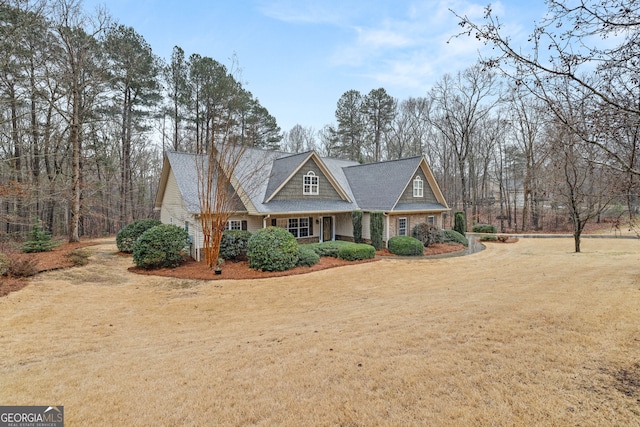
[418, 187]
[310, 185]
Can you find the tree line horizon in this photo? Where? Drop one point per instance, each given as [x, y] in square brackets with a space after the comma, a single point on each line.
[530, 142]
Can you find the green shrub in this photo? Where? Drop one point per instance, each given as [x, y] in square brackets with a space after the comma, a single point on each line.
[126, 237]
[460, 223]
[427, 234]
[452, 236]
[233, 245]
[356, 251]
[307, 256]
[484, 228]
[376, 228]
[39, 240]
[272, 249]
[160, 246]
[494, 238]
[330, 248]
[405, 245]
[356, 219]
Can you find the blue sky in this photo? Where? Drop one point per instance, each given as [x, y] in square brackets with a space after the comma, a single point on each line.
[299, 56]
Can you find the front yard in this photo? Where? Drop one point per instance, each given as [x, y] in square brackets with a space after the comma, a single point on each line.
[519, 334]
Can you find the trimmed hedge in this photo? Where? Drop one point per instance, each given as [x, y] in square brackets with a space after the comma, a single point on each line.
[405, 245]
[452, 236]
[330, 248]
[307, 256]
[494, 238]
[234, 244]
[160, 246]
[272, 249]
[484, 228]
[356, 251]
[127, 236]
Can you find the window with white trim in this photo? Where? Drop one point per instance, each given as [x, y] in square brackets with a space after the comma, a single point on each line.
[234, 224]
[299, 227]
[431, 220]
[418, 187]
[402, 226]
[310, 186]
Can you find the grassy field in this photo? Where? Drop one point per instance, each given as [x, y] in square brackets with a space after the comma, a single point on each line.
[527, 333]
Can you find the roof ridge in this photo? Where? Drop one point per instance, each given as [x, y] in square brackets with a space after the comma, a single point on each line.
[387, 161]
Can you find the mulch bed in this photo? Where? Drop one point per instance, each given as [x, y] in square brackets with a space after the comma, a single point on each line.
[240, 270]
[59, 258]
[39, 262]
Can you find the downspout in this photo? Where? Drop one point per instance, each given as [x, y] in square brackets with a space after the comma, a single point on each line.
[264, 220]
[386, 215]
[195, 244]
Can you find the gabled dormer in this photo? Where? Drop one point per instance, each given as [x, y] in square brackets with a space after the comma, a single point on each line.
[421, 187]
[303, 177]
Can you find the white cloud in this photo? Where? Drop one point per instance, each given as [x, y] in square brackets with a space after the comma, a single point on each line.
[305, 12]
[382, 38]
[418, 46]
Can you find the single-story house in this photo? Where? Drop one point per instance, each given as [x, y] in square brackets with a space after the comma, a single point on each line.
[311, 196]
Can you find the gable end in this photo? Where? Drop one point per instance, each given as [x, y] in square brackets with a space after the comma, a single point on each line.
[293, 189]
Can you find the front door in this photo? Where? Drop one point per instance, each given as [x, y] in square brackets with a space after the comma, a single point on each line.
[327, 228]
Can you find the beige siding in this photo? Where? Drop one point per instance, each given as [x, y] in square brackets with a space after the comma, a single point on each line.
[343, 224]
[293, 189]
[172, 210]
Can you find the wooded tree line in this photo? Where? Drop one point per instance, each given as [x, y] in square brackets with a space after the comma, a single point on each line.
[83, 104]
[530, 141]
[546, 138]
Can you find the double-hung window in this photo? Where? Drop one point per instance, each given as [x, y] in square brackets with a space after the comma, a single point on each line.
[299, 227]
[402, 226]
[310, 186]
[418, 187]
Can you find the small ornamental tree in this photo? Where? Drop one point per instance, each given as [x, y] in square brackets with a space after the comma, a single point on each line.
[376, 227]
[427, 234]
[39, 240]
[460, 223]
[356, 218]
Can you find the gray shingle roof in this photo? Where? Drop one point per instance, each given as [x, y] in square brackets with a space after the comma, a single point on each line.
[373, 186]
[282, 169]
[184, 169]
[368, 181]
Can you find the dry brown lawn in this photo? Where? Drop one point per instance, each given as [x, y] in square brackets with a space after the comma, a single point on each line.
[520, 334]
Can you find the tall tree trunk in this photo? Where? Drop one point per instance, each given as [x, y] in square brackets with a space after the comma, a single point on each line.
[74, 217]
